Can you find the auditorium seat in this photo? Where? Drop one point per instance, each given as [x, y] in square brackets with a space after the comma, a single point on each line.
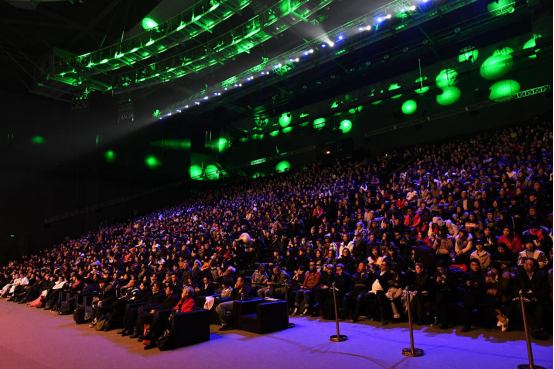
[261, 317]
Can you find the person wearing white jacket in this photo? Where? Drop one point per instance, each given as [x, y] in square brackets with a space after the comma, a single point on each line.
[437, 222]
[531, 252]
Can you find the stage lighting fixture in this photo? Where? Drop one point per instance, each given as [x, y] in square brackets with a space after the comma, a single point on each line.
[502, 90]
[449, 96]
[422, 89]
[186, 106]
[37, 140]
[195, 172]
[409, 107]
[331, 44]
[285, 119]
[341, 38]
[323, 45]
[496, 66]
[345, 126]
[531, 44]
[282, 166]
[109, 156]
[152, 162]
[447, 78]
[412, 8]
[379, 19]
[212, 172]
[205, 97]
[388, 16]
[297, 60]
[149, 23]
[311, 51]
[319, 123]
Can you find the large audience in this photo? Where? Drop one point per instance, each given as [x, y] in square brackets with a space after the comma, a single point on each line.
[465, 226]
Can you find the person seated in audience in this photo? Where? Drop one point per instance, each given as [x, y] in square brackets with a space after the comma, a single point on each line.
[353, 300]
[225, 310]
[472, 291]
[445, 285]
[422, 287]
[159, 324]
[480, 254]
[511, 240]
[531, 252]
[296, 284]
[225, 291]
[534, 288]
[259, 279]
[324, 290]
[276, 284]
[147, 317]
[311, 281]
[463, 246]
[504, 257]
[155, 298]
[375, 300]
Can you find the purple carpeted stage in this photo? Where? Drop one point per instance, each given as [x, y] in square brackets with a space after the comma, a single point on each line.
[35, 339]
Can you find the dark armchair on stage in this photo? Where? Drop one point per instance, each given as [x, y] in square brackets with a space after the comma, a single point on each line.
[188, 328]
[261, 316]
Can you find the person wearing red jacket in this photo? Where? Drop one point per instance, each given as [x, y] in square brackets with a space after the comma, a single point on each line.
[412, 220]
[511, 240]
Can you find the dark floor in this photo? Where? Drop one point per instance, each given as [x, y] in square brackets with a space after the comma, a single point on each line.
[35, 339]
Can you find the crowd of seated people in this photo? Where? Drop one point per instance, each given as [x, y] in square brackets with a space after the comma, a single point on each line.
[465, 225]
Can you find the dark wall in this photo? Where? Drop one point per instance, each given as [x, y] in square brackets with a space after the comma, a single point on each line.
[66, 169]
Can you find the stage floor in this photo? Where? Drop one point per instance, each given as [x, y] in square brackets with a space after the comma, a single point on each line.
[36, 339]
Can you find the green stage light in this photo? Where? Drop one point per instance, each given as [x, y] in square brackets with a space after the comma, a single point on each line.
[319, 123]
[409, 107]
[501, 7]
[109, 156]
[274, 133]
[258, 137]
[222, 144]
[195, 172]
[345, 126]
[282, 166]
[256, 175]
[285, 119]
[212, 172]
[376, 102]
[37, 140]
[173, 144]
[152, 162]
[447, 78]
[287, 129]
[449, 96]
[497, 65]
[395, 86]
[531, 44]
[304, 124]
[243, 139]
[424, 89]
[149, 23]
[502, 90]
[468, 53]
